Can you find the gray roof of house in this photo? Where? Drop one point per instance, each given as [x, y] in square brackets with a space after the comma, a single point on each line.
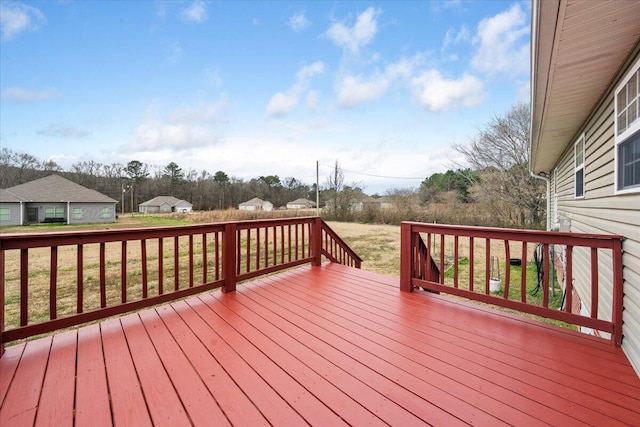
[53, 188]
[254, 202]
[170, 200]
[302, 201]
[7, 196]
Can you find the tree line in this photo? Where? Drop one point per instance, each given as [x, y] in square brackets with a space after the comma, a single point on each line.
[494, 187]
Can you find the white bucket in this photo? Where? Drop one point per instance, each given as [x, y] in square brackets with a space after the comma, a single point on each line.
[495, 285]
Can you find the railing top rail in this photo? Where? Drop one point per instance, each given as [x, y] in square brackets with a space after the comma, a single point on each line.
[61, 238]
[522, 235]
[256, 223]
[35, 240]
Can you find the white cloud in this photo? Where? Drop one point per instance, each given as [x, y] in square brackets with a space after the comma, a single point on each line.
[184, 129]
[454, 37]
[29, 95]
[16, 18]
[353, 90]
[298, 22]
[308, 71]
[437, 94]
[195, 12]
[360, 34]
[63, 131]
[281, 103]
[313, 99]
[503, 43]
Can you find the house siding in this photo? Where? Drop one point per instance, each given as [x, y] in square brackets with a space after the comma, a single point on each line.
[14, 214]
[602, 211]
[92, 213]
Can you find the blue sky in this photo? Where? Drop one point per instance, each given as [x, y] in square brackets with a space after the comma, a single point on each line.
[260, 88]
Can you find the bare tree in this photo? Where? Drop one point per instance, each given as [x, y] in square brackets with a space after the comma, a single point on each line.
[500, 155]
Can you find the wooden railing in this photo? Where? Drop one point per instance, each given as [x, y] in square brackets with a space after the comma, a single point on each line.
[458, 260]
[50, 281]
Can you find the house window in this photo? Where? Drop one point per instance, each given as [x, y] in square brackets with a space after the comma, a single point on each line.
[52, 212]
[106, 212]
[627, 154]
[579, 167]
[5, 214]
[77, 213]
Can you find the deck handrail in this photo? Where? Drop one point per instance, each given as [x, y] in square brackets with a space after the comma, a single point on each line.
[169, 263]
[600, 256]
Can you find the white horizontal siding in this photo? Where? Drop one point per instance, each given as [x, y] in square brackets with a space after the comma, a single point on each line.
[602, 211]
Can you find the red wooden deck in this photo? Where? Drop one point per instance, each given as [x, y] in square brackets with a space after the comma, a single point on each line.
[330, 345]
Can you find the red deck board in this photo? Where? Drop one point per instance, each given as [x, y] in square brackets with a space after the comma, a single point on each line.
[623, 394]
[513, 331]
[157, 388]
[57, 399]
[440, 360]
[269, 402]
[302, 368]
[127, 401]
[8, 366]
[198, 402]
[318, 346]
[361, 382]
[92, 393]
[21, 403]
[238, 408]
[424, 380]
[258, 348]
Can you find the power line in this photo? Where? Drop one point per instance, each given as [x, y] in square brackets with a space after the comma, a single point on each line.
[373, 175]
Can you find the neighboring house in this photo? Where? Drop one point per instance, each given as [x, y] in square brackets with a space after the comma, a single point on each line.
[54, 199]
[357, 203]
[255, 204]
[301, 204]
[386, 202]
[585, 136]
[164, 204]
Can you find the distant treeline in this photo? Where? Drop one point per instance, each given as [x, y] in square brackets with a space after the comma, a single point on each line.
[138, 182]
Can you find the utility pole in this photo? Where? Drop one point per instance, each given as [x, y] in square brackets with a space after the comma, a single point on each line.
[131, 189]
[122, 205]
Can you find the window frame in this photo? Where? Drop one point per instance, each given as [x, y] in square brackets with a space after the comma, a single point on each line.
[105, 212]
[630, 130]
[579, 167]
[76, 213]
[5, 212]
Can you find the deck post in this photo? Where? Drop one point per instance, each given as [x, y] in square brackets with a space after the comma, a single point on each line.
[618, 292]
[406, 258]
[2, 284]
[229, 257]
[316, 242]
